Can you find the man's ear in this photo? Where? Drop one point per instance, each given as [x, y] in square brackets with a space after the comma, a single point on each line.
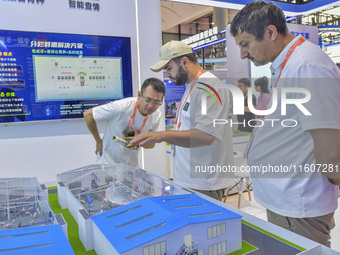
[139, 94]
[271, 32]
[185, 61]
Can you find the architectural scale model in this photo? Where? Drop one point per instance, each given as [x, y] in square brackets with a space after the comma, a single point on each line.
[27, 223]
[182, 224]
[98, 188]
[95, 189]
[23, 204]
[42, 240]
[121, 210]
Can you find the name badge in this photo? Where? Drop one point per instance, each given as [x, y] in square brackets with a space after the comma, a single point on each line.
[186, 106]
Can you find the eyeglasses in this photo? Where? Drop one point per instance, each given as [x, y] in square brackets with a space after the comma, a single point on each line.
[150, 101]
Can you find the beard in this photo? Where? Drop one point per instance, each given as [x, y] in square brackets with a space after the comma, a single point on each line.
[181, 77]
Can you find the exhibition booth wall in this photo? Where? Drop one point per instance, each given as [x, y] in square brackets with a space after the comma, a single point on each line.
[45, 148]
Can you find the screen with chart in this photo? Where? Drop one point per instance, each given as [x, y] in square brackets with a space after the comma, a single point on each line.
[51, 76]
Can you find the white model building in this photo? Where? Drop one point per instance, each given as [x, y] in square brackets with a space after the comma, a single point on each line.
[95, 189]
[181, 224]
[27, 223]
[23, 203]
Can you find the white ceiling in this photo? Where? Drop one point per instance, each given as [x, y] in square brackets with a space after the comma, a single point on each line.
[175, 13]
[188, 15]
[288, 10]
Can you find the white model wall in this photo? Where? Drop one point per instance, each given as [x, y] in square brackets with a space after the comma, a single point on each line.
[42, 149]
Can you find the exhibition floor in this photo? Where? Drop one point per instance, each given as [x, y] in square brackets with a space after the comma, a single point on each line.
[255, 209]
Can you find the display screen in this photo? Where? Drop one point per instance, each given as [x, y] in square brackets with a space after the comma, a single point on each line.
[51, 76]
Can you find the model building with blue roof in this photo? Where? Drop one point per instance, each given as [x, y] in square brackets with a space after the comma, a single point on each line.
[27, 223]
[181, 224]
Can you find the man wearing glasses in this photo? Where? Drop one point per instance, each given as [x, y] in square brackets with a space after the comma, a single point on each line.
[126, 118]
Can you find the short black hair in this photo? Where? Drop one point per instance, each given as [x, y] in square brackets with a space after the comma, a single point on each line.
[255, 17]
[191, 57]
[245, 81]
[155, 83]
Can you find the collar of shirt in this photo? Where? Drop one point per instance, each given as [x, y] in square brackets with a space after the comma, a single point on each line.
[277, 63]
[188, 85]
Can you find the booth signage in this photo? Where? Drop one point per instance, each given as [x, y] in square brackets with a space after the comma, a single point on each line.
[202, 38]
[27, 1]
[84, 5]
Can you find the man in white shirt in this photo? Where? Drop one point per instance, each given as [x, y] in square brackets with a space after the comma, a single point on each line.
[300, 147]
[202, 152]
[125, 118]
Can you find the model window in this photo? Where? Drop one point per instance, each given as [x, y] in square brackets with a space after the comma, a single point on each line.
[209, 233]
[155, 249]
[223, 229]
[218, 248]
[216, 230]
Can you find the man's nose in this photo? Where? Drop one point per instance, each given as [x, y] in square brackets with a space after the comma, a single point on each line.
[244, 53]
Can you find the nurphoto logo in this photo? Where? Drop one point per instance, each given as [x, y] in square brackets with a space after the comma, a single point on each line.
[238, 105]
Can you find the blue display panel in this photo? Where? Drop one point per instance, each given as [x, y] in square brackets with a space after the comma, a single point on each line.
[52, 76]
